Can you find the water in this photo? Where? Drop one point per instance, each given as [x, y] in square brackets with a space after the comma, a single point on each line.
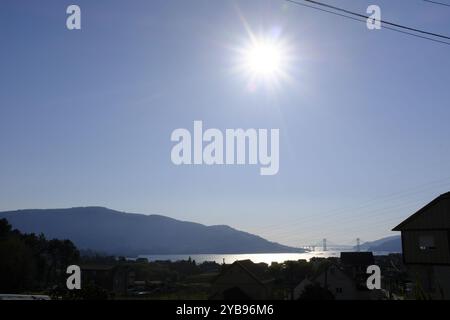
[255, 257]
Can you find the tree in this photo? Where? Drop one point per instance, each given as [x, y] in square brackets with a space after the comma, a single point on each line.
[16, 266]
[5, 229]
[28, 261]
[61, 253]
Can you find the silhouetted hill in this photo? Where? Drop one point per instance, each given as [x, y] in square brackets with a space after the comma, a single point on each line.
[391, 244]
[113, 232]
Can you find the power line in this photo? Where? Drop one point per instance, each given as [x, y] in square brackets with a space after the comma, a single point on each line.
[368, 204]
[366, 17]
[354, 228]
[382, 21]
[368, 215]
[438, 3]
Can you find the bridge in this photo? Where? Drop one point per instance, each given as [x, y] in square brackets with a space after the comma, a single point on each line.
[325, 245]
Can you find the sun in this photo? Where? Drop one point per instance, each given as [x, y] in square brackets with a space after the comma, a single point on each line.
[264, 61]
[263, 58]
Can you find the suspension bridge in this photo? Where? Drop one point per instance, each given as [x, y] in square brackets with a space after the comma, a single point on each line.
[325, 245]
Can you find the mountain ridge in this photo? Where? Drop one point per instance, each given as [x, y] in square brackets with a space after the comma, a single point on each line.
[121, 233]
[391, 244]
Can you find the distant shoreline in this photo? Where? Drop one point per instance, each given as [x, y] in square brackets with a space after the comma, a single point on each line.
[255, 257]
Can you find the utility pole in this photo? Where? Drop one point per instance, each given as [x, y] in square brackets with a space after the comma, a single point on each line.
[358, 248]
[324, 244]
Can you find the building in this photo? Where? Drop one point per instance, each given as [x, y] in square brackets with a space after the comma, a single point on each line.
[341, 284]
[355, 264]
[298, 290]
[426, 247]
[242, 280]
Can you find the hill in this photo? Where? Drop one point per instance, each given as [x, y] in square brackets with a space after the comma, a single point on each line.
[390, 244]
[120, 233]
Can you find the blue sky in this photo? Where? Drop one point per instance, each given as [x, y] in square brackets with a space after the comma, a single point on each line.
[86, 116]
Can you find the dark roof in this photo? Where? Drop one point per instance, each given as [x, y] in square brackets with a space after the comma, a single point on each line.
[402, 225]
[357, 258]
[252, 269]
[328, 269]
[257, 269]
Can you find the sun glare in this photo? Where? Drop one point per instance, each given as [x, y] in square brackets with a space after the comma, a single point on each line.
[263, 58]
[264, 61]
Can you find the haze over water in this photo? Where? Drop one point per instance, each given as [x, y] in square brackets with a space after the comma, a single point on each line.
[255, 257]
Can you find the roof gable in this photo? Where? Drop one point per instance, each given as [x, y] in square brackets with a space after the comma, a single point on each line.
[434, 215]
[241, 266]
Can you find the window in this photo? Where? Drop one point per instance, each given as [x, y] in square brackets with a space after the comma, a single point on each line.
[426, 242]
[338, 290]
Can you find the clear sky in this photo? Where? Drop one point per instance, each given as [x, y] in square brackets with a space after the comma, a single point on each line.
[86, 116]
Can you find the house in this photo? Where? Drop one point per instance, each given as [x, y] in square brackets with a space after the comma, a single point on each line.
[426, 247]
[340, 283]
[242, 280]
[298, 290]
[355, 264]
[357, 261]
